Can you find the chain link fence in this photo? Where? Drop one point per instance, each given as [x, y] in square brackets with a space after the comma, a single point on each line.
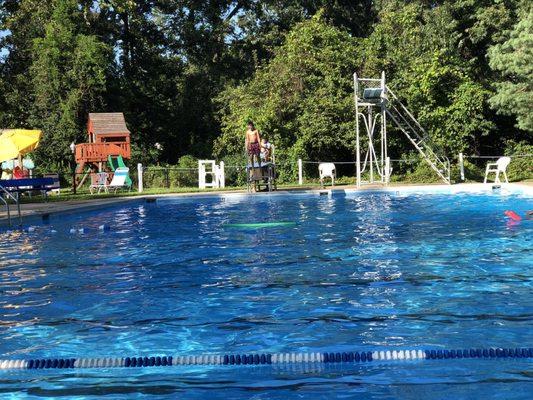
[412, 169]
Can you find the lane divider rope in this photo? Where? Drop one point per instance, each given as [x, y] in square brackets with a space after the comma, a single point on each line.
[265, 358]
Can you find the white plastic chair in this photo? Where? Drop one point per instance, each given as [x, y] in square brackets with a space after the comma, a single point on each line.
[119, 179]
[326, 170]
[498, 167]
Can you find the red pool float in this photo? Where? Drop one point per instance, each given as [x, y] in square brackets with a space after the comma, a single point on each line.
[514, 216]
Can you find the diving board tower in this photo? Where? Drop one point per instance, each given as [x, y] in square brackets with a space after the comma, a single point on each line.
[108, 142]
[375, 105]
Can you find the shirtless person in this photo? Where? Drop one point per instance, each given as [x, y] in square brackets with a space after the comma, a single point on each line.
[253, 144]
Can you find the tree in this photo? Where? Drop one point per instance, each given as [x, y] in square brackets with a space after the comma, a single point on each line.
[68, 78]
[301, 99]
[514, 60]
[21, 21]
[417, 47]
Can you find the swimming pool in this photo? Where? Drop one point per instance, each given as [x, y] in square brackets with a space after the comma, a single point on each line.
[353, 272]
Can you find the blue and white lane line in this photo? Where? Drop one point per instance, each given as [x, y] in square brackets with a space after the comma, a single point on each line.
[267, 358]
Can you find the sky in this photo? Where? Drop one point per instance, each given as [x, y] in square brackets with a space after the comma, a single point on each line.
[3, 51]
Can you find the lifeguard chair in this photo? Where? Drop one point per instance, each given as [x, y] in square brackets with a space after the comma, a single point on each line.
[109, 141]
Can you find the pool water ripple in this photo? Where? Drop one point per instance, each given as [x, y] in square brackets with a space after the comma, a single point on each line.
[352, 273]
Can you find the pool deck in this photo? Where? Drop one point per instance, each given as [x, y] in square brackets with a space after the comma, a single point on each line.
[69, 206]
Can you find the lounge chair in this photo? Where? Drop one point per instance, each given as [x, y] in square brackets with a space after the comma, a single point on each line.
[99, 182]
[55, 187]
[326, 170]
[119, 179]
[498, 167]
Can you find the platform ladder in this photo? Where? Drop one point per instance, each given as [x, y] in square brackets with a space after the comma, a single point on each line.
[375, 103]
[420, 139]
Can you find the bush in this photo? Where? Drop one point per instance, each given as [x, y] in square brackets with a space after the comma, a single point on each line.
[521, 168]
[473, 173]
[422, 173]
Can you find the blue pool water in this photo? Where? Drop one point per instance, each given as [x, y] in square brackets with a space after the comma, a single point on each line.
[354, 272]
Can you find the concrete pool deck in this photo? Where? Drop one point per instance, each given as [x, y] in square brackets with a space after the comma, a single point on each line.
[68, 206]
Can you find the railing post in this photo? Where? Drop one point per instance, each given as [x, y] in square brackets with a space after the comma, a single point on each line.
[140, 177]
[300, 172]
[461, 166]
[222, 176]
[387, 170]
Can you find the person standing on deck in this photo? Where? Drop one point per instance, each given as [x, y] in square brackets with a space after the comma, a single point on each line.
[253, 144]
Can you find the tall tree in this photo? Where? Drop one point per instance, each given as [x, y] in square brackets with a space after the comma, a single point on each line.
[68, 78]
[21, 21]
[301, 100]
[416, 45]
[514, 60]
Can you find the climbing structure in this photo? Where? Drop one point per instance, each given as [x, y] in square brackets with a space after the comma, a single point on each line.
[376, 103]
[109, 141]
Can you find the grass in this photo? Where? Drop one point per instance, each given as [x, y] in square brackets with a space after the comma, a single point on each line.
[84, 194]
[67, 195]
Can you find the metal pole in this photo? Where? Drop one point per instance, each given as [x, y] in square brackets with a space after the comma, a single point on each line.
[140, 177]
[384, 120]
[370, 144]
[300, 172]
[18, 209]
[357, 144]
[387, 170]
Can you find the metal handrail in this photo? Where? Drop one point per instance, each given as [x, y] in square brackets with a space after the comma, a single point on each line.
[15, 199]
[427, 152]
[429, 147]
[407, 111]
[425, 136]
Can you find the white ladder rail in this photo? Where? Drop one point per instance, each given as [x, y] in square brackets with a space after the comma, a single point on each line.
[411, 127]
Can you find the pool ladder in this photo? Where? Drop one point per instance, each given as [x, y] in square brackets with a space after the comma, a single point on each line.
[5, 195]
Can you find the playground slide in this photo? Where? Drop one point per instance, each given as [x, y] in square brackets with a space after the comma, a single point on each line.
[118, 162]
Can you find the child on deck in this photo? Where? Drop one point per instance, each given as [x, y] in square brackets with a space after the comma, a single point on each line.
[265, 150]
[253, 144]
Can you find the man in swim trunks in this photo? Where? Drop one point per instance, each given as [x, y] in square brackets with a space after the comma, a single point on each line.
[253, 144]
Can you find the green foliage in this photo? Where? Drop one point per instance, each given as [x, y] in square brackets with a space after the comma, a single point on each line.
[417, 47]
[422, 173]
[521, 166]
[24, 20]
[188, 73]
[234, 169]
[514, 60]
[68, 77]
[188, 161]
[448, 103]
[301, 100]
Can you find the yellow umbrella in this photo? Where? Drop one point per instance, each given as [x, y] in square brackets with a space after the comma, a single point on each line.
[16, 142]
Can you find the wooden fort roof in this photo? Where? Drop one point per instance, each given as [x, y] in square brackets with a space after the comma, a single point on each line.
[107, 123]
